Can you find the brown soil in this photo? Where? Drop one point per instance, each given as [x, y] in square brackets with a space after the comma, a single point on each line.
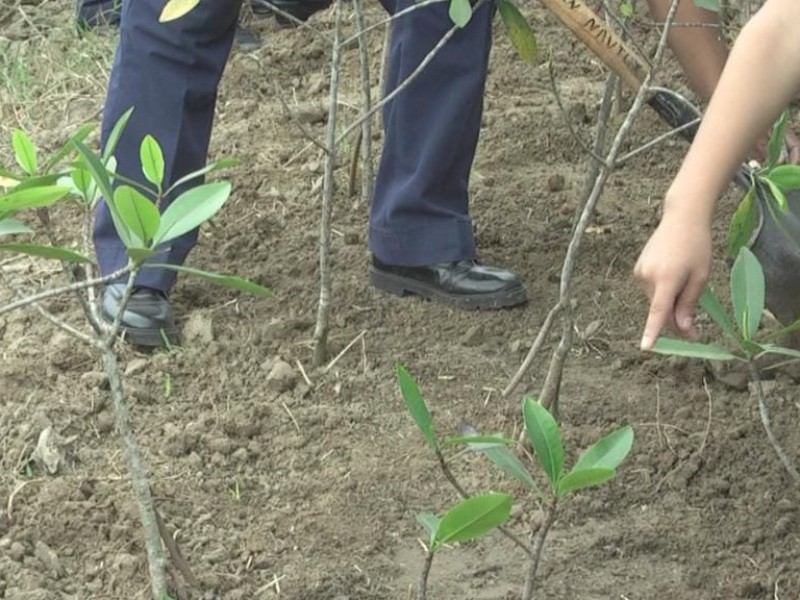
[330, 476]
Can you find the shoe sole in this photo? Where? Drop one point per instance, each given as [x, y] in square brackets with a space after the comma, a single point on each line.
[147, 338]
[397, 285]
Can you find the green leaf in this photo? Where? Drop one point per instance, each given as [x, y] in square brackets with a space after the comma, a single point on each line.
[786, 177]
[83, 182]
[225, 163]
[138, 214]
[519, 31]
[777, 194]
[96, 167]
[675, 347]
[545, 438]
[473, 518]
[152, 161]
[777, 140]
[747, 292]
[415, 403]
[47, 252]
[430, 522]
[228, 281]
[191, 209]
[626, 9]
[80, 135]
[24, 151]
[9, 227]
[460, 12]
[36, 197]
[775, 349]
[779, 333]
[712, 5]
[485, 441]
[711, 304]
[582, 478]
[175, 9]
[743, 223]
[502, 457]
[113, 137]
[607, 452]
[139, 255]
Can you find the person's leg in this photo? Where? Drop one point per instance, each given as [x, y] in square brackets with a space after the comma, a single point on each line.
[168, 73]
[420, 213]
[420, 229]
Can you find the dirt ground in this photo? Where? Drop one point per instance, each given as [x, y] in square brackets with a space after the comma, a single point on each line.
[281, 488]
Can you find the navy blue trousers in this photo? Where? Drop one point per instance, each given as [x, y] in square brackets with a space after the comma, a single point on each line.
[169, 73]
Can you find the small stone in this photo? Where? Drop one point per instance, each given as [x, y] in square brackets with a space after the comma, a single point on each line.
[16, 552]
[473, 336]
[785, 505]
[555, 183]
[48, 558]
[240, 455]
[729, 375]
[351, 238]
[49, 452]
[95, 380]
[282, 377]
[136, 366]
[199, 329]
[515, 346]
[105, 422]
[784, 526]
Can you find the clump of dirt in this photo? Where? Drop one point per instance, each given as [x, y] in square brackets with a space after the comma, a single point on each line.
[282, 481]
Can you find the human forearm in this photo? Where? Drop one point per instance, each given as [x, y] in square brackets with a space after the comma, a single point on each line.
[760, 79]
[698, 48]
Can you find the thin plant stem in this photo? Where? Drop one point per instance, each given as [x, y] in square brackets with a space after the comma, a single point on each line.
[537, 546]
[367, 175]
[328, 189]
[66, 289]
[765, 420]
[422, 587]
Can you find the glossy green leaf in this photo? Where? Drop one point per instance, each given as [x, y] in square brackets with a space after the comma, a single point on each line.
[228, 281]
[743, 223]
[675, 347]
[9, 227]
[430, 522]
[139, 255]
[415, 403]
[786, 177]
[152, 159]
[777, 140]
[502, 457]
[519, 31]
[225, 163]
[473, 518]
[175, 9]
[460, 12]
[775, 349]
[712, 5]
[191, 209]
[747, 292]
[24, 151]
[582, 478]
[711, 304]
[38, 181]
[80, 135]
[47, 252]
[777, 195]
[484, 441]
[545, 438]
[36, 197]
[95, 166]
[607, 452]
[82, 182]
[138, 214]
[114, 136]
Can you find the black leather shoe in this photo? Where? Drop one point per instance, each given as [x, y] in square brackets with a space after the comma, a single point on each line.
[148, 319]
[465, 283]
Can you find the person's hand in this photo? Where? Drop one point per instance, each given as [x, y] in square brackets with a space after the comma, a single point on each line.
[673, 269]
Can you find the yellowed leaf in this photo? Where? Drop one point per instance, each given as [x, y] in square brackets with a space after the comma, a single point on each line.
[175, 9]
[7, 182]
